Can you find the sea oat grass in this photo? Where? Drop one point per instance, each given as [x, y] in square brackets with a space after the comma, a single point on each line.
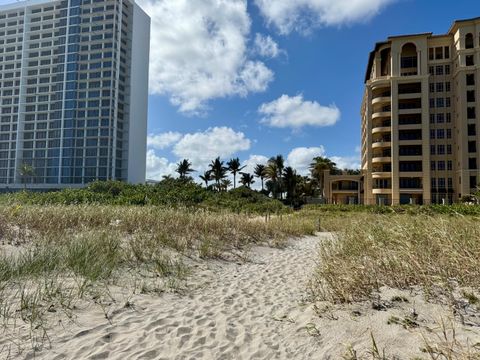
[399, 251]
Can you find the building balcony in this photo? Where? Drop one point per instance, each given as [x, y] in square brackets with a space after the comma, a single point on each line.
[381, 174]
[411, 190]
[381, 144]
[381, 114]
[380, 82]
[408, 71]
[381, 100]
[381, 191]
[381, 129]
[381, 159]
[345, 191]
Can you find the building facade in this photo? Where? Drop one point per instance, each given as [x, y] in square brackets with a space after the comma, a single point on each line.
[419, 122]
[73, 92]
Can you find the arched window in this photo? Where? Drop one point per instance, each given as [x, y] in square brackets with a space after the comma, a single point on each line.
[409, 59]
[469, 41]
[385, 62]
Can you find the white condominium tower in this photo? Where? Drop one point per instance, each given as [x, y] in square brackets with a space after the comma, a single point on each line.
[73, 92]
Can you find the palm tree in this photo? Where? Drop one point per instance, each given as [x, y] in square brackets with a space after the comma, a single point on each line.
[225, 184]
[318, 166]
[247, 179]
[234, 167]
[290, 180]
[206, 177]
[26, 171]
[259, 172]
[271, 173]
[351, 171]
[280, 164]
[184, 168]
[218, 171]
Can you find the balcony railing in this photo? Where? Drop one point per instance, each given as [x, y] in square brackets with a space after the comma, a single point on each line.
[376, 186]
[345, 188]
[383, 94]
[381, 140]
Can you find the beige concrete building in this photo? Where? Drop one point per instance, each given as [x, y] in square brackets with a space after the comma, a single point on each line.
[419, 121]
[342, 188]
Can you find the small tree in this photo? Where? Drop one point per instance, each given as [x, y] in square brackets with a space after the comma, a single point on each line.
[26, 172]
[225, 184]
[247, 179]
[259, 172]
[234, 167]
[218, 171]
[206, 177]
[184, 168]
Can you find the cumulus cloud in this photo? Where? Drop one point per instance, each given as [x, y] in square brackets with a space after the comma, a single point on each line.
[295, 112]
[301, 157]
[304, 15]
[252, 161]
[158, 166]
[198, 52]
[265, 46]
[203, 147]
[163, 140]
[346, 162]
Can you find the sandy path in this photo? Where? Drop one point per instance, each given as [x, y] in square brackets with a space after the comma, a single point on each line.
[259, 310]
[236, 311]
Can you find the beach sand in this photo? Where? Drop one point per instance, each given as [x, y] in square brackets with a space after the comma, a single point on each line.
[256, 309]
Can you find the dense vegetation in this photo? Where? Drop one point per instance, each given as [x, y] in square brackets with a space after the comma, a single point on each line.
[182, 192]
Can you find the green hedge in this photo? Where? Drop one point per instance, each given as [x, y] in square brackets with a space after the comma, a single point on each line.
[454, 209]
[169, 192]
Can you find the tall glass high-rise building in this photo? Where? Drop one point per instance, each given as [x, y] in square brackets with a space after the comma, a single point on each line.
[73, 92]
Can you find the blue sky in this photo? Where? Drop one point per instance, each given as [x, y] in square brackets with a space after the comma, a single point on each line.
[256, 78]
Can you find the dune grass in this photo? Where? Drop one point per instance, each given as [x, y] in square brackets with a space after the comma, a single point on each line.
[55, 257]
[400, 251]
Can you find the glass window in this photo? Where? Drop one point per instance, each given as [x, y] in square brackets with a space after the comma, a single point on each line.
[470, 78]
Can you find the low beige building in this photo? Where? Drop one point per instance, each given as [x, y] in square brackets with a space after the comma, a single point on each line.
[343, 188]
[419, 121]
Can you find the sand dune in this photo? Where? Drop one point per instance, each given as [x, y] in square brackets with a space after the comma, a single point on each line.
[235, 312]
[253, 310]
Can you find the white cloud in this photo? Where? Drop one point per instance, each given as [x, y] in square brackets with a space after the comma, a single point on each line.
[203, 147]
[300, 158]
[198, 52]
[296, 112]
[163, 140]
[346, 162]
[250, 164]
[304, 15]
[252, 161]
[265, 46]
[158, 166]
